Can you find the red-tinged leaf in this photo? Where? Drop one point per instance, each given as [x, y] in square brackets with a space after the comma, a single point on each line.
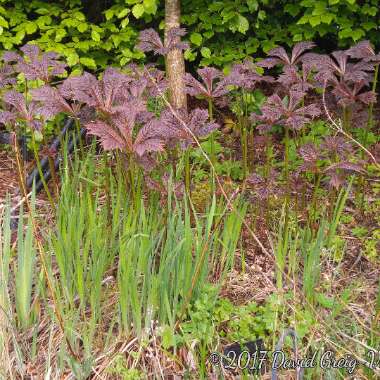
[109, 138]
[280, 53]
[52, 102]
[309, 152]
[336, 180]
[269, 62]
[7, 117]
[149, 145]
[361, 50]
[349, 167]
[149, 40]
[37, 65]
[367, 97]
[6, 76]
[299, 49]
[336, 146]
[173, 40]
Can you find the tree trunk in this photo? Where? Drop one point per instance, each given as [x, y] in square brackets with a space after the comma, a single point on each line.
[175, 64]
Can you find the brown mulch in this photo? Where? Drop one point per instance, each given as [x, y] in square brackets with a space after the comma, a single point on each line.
[8, 176]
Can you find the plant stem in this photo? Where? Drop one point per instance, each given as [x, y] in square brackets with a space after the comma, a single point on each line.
[370, 109]
[346, 118]
[77, 126]
[244, 129]
[244, 147]
[287, 194]
[131, 170]
[21, 171]
[212, 140]
[366, 133]
[54, 176]
[314, 199]
[212, 137]
[187, 171]
[40, 172]
[286, 163]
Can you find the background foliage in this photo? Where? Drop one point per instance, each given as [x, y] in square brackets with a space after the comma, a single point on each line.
[92, 34]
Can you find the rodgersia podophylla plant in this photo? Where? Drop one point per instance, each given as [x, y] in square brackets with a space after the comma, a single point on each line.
[6, 76]
[212, 87]
[20, 110]
[290, 113]
[245, 77]
[348, 73]
[149, 40]
[279, 56]
[34, 64]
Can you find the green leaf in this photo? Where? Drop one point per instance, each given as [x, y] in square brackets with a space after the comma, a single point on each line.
[357, 34]
[79, 16]
[208, 34]
[123, 13]
[109, 13]
[3, 22]
[206, 52]
[345, 33]
[292, 9]
[325, 301]
[167, 337]
[43, 20]
[196, 38]
[243, 24]
[189, 55]
[38, 136]
[327, 18]
[369, 25]
[261, 15]
[150, 6]
[124, 23]
[82, 27]
[138, 10]
[314, 20]
[88, 62]
[95, 36]
[59, 34]
[72, 58]
[253, 5]
[30, 27]
[303, 20]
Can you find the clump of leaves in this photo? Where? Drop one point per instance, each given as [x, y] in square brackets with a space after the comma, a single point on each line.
[34, 64]
[20, 110]
[279, 56]
[212, 87]
[53, 100]
[332, 158]
[264, 187]
[349, 80]
[149, 40]
[245, 75]
[183, 126]
[297, 81]
[6, 76]
[288, 112]
[166, 186]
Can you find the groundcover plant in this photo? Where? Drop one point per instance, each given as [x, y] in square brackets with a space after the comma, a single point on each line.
[168, 235]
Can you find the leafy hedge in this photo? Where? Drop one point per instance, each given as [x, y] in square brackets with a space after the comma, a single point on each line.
[91, 33]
